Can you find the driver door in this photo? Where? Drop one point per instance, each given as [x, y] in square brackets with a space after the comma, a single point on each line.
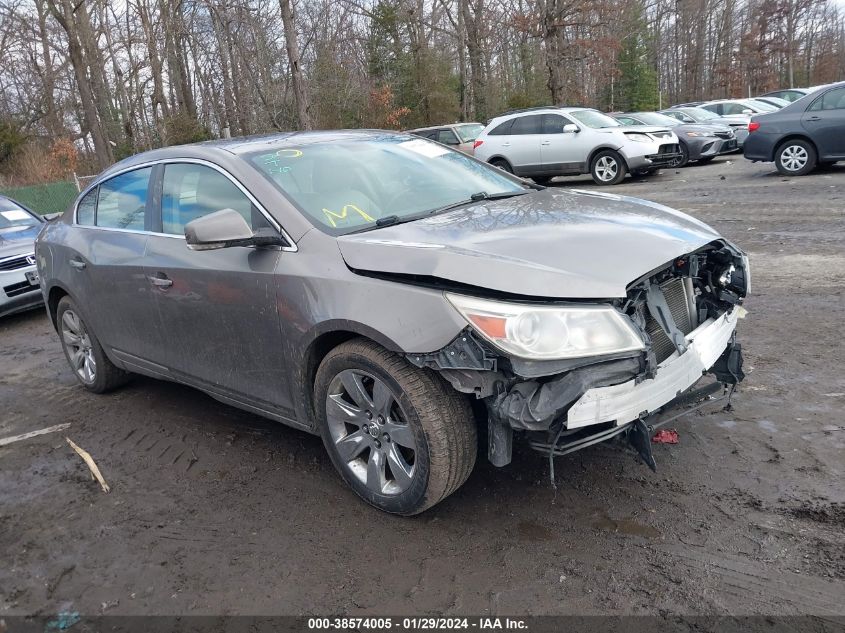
[217, 309]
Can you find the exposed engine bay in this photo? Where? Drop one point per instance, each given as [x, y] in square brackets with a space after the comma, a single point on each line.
[685, 312]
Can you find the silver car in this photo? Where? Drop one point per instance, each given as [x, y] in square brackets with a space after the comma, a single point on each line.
[393, 296]
[737, 122]
[459, 136]
[18, 274]
[542, 143]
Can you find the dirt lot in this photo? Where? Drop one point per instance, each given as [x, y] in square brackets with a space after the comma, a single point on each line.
[215, 511]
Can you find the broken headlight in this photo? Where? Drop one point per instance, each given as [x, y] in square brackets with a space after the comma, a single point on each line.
[549, 332]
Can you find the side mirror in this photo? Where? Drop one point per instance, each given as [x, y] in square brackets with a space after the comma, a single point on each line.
[571, 128]
[50, 217]
[226, 228]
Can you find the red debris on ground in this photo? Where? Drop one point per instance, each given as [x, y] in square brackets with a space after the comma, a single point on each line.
[666, 436]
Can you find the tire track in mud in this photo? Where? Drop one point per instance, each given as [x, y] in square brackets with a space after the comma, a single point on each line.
[757, 584]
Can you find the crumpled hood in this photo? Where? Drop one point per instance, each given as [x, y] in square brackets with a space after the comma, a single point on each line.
[552, 243]
[18, 241]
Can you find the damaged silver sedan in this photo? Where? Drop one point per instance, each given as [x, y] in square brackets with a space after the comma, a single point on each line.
[397, 298]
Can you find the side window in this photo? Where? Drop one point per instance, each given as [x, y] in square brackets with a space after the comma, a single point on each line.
[191, 191]
[502, 129]
[532, 124]
[735, 108]
[624, 120]
[86, 207]
[122, 202]
[834, 99]
[447, 137]
[553, 123]
[714, 107]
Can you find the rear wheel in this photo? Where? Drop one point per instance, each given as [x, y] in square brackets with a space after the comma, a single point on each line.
[607, 168]
[502, 164]
[795, 158]
[400, 437]
[83, 351]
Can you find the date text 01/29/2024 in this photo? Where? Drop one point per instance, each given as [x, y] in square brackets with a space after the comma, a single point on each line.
[417, 624]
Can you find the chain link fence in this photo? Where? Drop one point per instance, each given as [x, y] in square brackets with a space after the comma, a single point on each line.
[53, 197]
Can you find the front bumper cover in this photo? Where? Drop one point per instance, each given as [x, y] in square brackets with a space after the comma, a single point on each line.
[631, 400]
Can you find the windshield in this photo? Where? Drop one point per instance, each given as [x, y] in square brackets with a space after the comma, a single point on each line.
[700, 114]
[655, 118]
[469, 131]
[349, 185]
[594, 119]
[14, 216]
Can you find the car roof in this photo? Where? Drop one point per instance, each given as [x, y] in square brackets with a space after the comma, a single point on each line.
[440, 127]
[232, 147]
[541, 110]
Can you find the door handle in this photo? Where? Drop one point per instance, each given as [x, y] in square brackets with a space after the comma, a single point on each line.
[546, 143]
[814, 118]
[506, 144]
[77, 263]
[160, 280]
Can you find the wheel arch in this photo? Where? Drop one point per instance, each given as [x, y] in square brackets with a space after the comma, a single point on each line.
[496, 157]
[321, 340]
[795, 136]
[54, 295]
[602, 148]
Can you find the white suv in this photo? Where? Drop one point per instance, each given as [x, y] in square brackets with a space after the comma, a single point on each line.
[542, 143]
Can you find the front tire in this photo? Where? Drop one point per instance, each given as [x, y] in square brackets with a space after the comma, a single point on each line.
[608, 168]
[795, 158]
[399, 436]
[90, 365]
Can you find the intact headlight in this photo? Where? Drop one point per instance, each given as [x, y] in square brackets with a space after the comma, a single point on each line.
[549, 332]
[636, 136]
[701, 134]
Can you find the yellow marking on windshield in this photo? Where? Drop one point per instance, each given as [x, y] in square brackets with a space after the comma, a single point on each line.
[331, 215]
[289, 153]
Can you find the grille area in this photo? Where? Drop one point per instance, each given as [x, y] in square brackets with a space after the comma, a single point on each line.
[13, 263]
[676, 298]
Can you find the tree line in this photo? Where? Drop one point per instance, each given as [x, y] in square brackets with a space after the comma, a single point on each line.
[114, 78]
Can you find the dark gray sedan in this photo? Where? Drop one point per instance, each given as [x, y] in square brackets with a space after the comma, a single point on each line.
[806, 133]
[393, 295]
[699, 142]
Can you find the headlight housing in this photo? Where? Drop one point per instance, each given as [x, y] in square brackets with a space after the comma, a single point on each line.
[537, 332]
[639, 137]
[701, 134]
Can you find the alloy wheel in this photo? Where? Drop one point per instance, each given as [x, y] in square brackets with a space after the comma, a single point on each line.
[606, 168]
[370, 432]
[794, 158]
[77, 342]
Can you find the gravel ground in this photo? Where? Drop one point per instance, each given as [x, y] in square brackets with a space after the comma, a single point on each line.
[215, 511]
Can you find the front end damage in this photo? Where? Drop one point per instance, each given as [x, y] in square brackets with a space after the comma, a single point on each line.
[686, 314]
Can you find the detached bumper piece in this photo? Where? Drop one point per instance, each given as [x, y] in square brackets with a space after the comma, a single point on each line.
[666, 154]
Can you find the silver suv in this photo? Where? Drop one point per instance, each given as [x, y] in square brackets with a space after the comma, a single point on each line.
[542, 143]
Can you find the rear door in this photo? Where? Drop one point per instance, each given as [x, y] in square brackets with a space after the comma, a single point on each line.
[521, 145]
[217, 309]
[563, 152]
[104, 253]
[824, 120]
